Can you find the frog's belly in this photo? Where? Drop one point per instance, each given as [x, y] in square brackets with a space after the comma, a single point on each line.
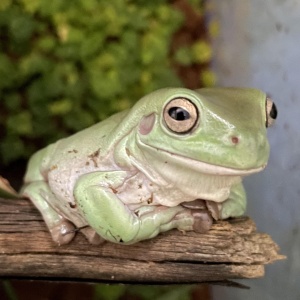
[202, 186]
[62, 180]
[139, 191]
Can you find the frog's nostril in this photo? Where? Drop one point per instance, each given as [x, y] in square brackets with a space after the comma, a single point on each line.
[235, 140]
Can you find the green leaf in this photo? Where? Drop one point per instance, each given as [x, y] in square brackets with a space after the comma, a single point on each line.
[20, 123]
[208, 78]
[7, 72]
[105, 84]
[162, 292]
[11, 148]
[91, 44]
[77, 120]
[184, 56]
[5, 4]
[35, 63]
[31, 6]
[108, 292]
[21, 27]
[12, 101]
[60, 107]
[46, 43]
[202, 52]
[9, 290]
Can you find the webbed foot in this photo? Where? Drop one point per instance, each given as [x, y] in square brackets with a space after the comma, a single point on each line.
[92, 236]
[202, 213]
[202, 220]
[62, 232]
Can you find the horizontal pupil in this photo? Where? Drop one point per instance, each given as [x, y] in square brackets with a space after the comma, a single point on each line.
[178, 114]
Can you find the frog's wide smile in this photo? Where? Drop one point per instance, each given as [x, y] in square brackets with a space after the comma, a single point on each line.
[197, 164]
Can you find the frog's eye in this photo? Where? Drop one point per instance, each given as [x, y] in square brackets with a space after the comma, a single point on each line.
[271, 112]
[180, 115]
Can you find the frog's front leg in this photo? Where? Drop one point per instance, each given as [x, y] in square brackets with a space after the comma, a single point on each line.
[62, 230]
[96, 196]
[103, 211]
[235, 205]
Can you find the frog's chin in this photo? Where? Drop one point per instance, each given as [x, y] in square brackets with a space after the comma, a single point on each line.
[197, 165]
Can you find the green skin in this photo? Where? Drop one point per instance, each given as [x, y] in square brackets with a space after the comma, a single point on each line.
[127, 177]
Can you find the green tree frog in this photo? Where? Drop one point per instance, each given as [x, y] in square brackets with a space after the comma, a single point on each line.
[174, 160]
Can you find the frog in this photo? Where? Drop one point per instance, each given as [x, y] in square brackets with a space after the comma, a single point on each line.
[175, 160]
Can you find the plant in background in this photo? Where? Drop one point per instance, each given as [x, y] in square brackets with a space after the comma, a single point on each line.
[65, 65]
[143, 292]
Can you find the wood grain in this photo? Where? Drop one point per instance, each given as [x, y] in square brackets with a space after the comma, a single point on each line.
[230, 250]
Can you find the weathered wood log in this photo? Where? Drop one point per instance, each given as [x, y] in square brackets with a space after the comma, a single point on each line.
[230, 250]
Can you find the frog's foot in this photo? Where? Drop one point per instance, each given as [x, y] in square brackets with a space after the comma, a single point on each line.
[92, 236]
[203, 214]
[62, 232]
[202, 220]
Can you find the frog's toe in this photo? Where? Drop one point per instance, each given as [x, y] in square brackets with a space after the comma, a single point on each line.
[202, 220]
[63, 232]
[92, 236]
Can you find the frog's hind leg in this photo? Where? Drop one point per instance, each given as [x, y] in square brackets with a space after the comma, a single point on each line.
[61, 229]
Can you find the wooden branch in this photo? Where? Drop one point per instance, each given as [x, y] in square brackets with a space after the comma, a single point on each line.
[230, 250]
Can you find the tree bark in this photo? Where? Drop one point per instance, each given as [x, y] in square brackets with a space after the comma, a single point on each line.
[232, 249]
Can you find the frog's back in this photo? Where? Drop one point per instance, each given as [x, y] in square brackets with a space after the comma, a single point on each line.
[62, 163]
[88, 143]
[74, 151]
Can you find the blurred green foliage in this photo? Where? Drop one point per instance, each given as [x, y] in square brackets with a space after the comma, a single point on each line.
[145, 292]
[100, 291]
[65, 65]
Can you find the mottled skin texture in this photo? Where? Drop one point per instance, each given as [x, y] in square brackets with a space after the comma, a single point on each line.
[130, 177]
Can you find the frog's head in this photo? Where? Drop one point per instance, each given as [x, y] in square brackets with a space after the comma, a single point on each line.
[218, 131]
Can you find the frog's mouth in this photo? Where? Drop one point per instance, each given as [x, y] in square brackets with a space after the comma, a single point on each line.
[203, 167]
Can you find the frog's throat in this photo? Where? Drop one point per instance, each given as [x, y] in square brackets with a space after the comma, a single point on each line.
[197, 165]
